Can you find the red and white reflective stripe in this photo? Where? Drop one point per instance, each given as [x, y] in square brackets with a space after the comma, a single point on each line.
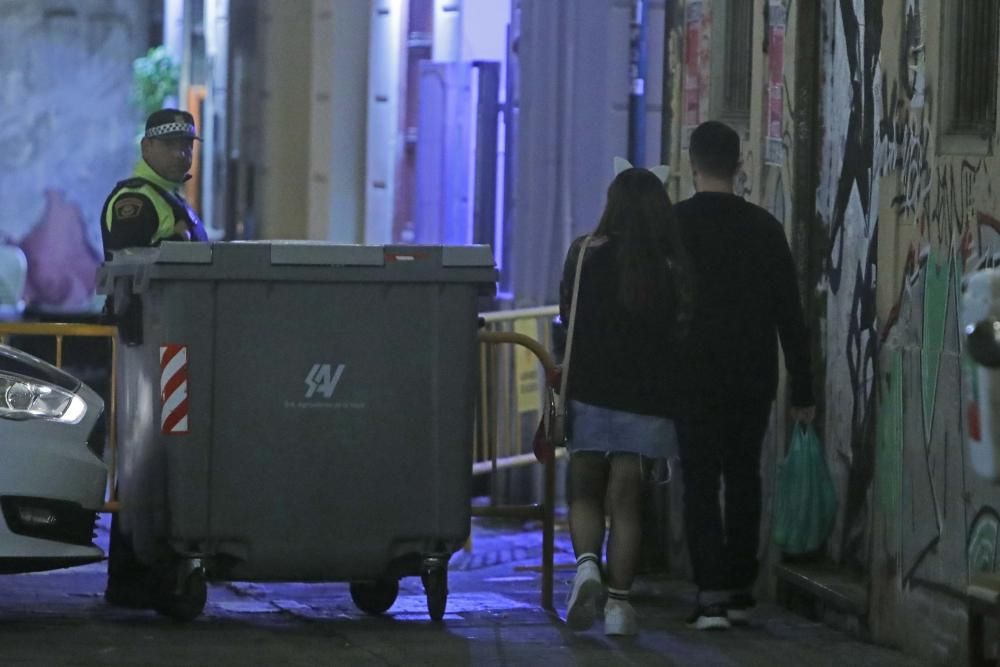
[173, 389]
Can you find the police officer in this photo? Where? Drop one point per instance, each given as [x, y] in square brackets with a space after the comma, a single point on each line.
[143, 211]
[148, 207]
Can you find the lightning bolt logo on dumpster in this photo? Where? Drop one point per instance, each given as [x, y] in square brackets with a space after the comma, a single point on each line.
[173, 389]
[323, 379]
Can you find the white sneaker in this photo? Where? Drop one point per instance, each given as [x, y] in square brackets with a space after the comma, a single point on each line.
[587, 590]
[620, 618]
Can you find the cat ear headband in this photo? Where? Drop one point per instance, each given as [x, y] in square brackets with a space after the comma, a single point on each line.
[661, 171]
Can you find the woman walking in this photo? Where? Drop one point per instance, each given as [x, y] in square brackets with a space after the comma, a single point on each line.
[623, 387]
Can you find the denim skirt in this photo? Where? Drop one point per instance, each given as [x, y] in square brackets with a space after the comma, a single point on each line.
[597, 429]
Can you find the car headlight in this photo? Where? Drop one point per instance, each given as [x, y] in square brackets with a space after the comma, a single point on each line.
[23, 398]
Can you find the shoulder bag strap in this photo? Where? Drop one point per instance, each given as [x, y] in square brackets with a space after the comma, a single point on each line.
[572, 324]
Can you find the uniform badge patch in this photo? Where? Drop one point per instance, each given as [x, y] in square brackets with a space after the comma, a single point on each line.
[128, 207]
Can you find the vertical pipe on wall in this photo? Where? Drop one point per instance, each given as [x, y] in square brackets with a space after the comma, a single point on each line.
[565, 152]
[487, 112]
[215, 125]
[808, 239]
[510, 123]
[173, 42]
[173, 27]
[186, 59]
[638, 64]
[667, 117]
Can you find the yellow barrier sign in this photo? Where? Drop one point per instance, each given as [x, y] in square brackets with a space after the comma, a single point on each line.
[527, 369]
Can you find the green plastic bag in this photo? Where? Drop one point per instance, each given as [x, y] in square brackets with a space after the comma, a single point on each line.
[806, 503]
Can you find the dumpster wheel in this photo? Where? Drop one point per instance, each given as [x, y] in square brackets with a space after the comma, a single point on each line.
[374, 597]
[435, 578]
[181, 595]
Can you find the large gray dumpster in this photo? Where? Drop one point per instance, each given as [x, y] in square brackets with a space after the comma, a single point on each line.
[295, 411]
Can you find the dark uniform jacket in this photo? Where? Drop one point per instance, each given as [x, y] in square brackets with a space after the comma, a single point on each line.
[143, 210]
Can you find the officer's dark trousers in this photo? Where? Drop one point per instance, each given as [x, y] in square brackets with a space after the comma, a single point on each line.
[723, 444]
[130, 582]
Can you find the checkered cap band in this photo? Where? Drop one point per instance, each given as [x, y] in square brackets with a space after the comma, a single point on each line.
[185, 129]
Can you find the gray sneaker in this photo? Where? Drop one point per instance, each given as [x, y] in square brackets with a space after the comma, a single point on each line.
[587, 590]
[620, 619]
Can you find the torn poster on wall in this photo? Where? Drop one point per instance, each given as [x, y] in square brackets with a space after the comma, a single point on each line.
[692, 69]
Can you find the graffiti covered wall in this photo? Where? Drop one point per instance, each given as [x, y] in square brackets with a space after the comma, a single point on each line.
[907, 218]
[847, 205]
[67, 134]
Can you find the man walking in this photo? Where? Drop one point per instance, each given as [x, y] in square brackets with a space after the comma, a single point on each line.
[747, 297]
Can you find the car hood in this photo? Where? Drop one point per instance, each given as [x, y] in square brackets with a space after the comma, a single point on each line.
[15, 361]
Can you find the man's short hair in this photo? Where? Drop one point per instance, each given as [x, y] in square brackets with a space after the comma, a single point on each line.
[715, 149]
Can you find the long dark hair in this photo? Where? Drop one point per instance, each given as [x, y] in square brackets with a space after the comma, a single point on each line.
[653, 266]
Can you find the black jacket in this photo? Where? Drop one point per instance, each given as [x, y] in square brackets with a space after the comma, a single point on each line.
[619, 360]
[747, 296]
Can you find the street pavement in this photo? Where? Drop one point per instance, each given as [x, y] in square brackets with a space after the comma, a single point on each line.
[493, 618]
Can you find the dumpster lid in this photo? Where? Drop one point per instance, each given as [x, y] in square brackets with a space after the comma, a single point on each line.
[328, 254]
[300, 261]
[168, 252]
[467, 255]
[297, 253]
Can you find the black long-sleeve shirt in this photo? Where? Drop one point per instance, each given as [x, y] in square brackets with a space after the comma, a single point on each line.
[746, 297]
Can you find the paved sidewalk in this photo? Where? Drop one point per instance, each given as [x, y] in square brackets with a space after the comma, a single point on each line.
[493, 618]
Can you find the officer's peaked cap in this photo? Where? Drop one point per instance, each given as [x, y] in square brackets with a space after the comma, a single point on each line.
[170, 123]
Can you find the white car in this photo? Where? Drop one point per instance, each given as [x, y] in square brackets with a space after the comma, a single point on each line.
[52, 476]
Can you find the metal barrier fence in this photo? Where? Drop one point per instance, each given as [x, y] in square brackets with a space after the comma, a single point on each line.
[61, 331]
[514, 355]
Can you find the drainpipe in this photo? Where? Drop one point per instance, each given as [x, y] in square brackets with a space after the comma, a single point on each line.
[638, 63]
[809, 241]
[667, 125]
[654, 549]
[174, 41]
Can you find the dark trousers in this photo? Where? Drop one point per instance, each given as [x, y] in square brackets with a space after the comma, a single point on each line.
[124, 569]
[723, 443]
